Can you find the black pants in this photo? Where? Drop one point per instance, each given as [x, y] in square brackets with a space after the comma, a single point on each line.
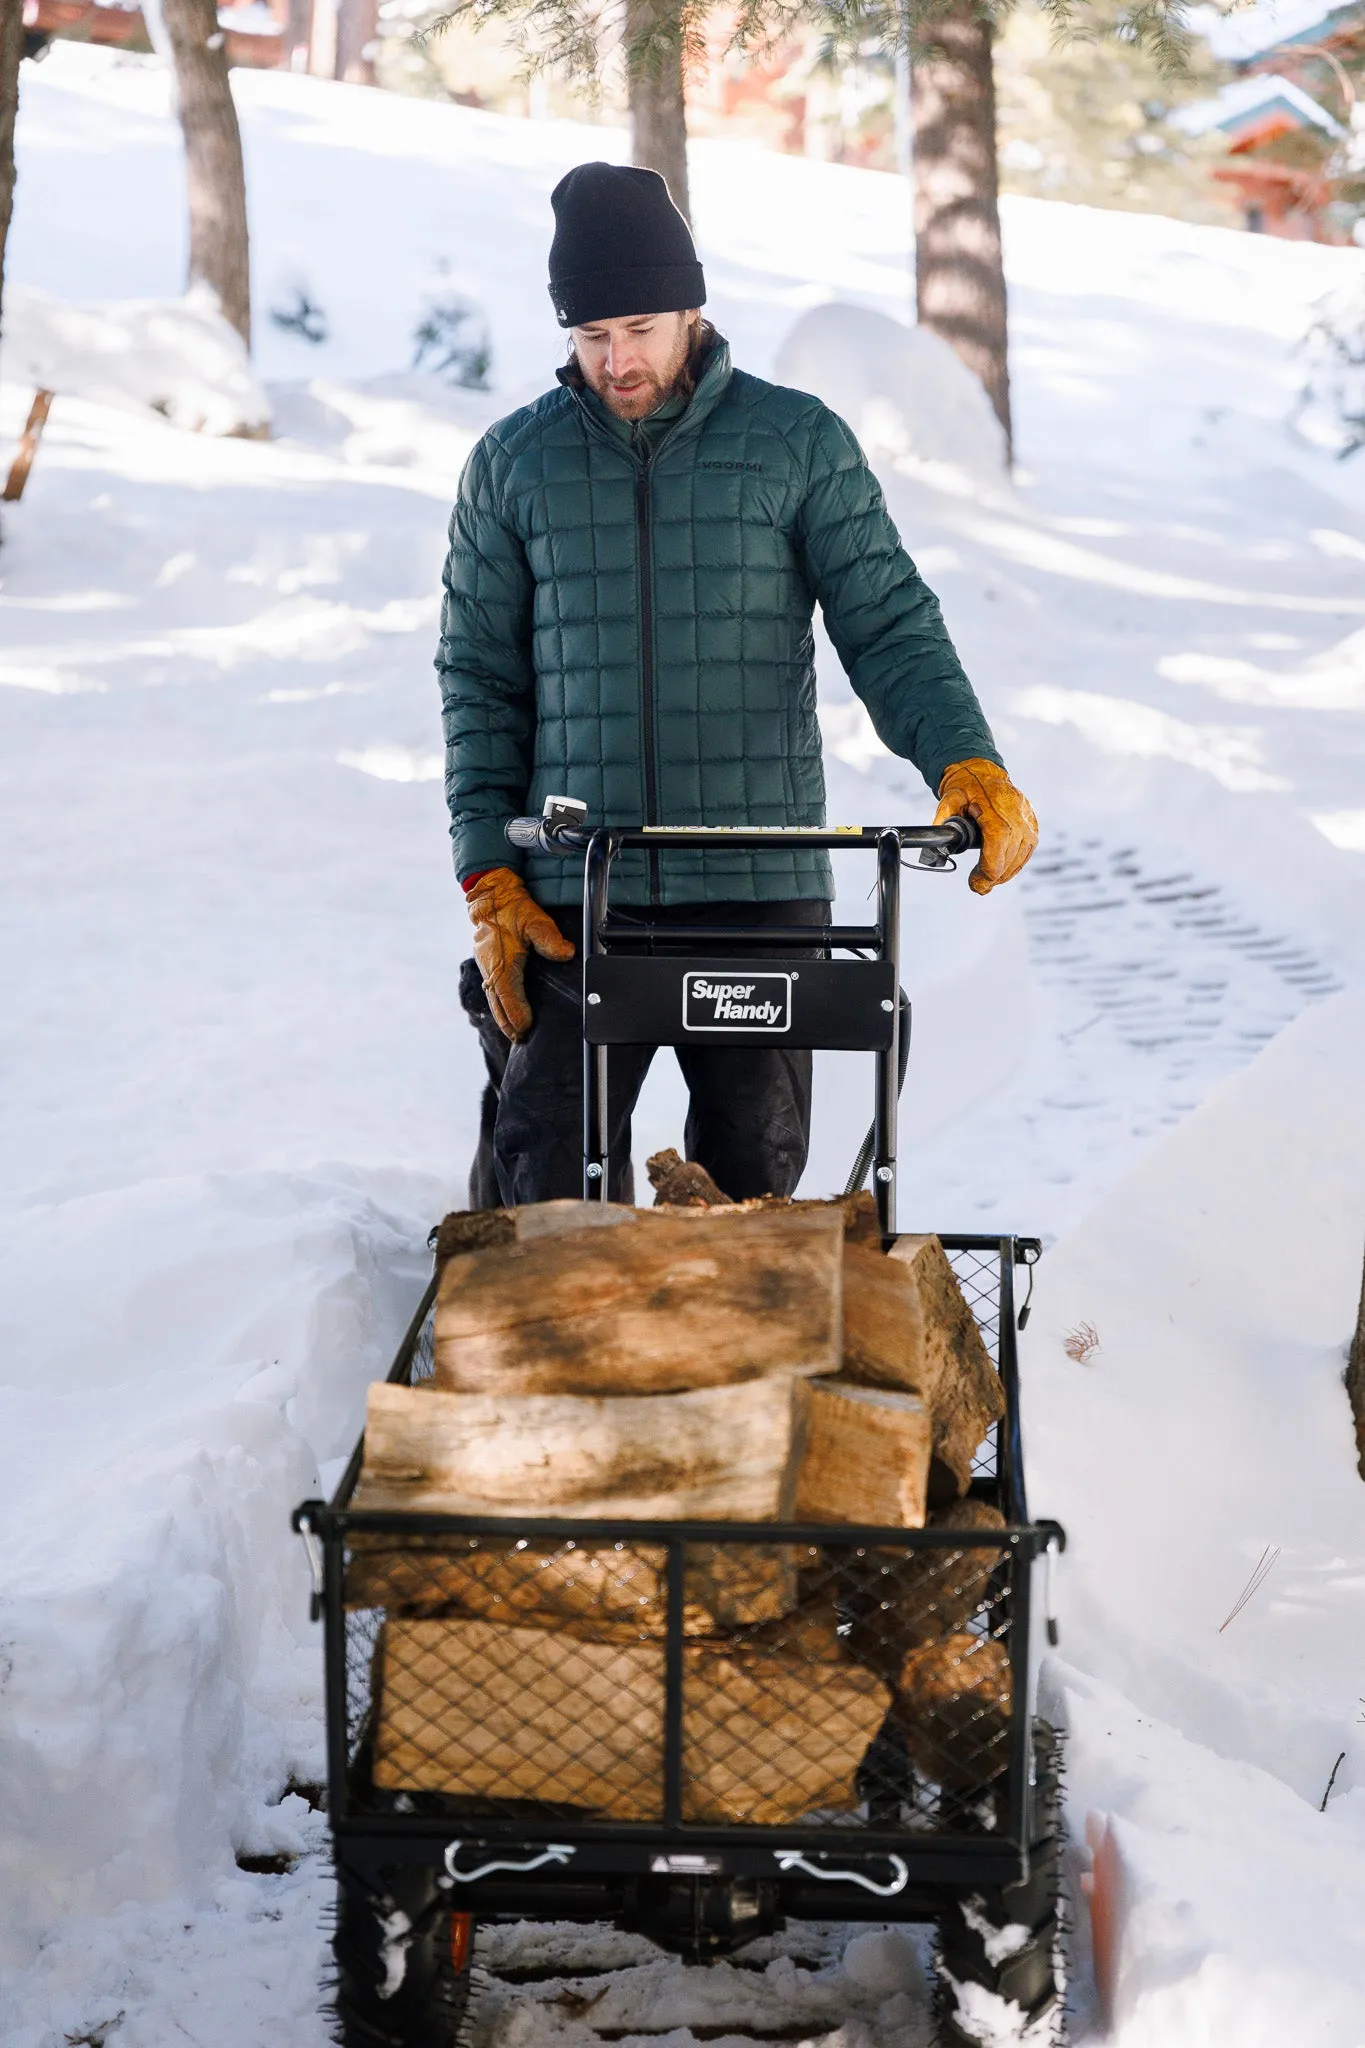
[748, 1119]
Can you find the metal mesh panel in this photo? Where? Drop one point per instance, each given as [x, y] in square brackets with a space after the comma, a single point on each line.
[978, 1275]
[826, 1684]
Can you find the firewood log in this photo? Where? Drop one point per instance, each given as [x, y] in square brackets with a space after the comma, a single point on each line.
[724, 1453]
[907, 1326]
[866, 1457]
[953, 1707]
[472, 1708]
[673, 1301]
[546, 1583]
[896, 1600]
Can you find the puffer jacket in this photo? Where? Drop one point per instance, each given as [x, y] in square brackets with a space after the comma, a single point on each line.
[627, 620]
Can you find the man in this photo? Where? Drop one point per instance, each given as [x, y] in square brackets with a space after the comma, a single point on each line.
[634, 562]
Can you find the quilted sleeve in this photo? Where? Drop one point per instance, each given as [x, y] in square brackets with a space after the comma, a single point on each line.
[881, 615]
[487, 680]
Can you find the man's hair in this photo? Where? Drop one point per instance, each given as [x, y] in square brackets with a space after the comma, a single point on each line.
[703, 341]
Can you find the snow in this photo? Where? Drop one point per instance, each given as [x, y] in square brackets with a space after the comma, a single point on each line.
[181, 360]
[240, 1090]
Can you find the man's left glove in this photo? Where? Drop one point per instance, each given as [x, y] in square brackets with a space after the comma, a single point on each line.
[507, 923]
[1009, 830]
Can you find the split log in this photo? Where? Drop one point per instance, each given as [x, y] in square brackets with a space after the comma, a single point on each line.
[721, 1453]
[475, 1708]
[897, 1600]
[769, 1739]
[907, 1326]
[953, 1708]
[471, 1708]
[546, 1583]
[866, 1458]
[679, 1301]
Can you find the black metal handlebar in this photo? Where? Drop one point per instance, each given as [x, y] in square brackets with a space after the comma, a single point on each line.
[550, 835]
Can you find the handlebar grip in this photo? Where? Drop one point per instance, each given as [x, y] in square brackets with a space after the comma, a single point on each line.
[966, 834]
[524, 833]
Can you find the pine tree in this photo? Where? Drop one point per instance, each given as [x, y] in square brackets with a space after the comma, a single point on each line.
[11, 51]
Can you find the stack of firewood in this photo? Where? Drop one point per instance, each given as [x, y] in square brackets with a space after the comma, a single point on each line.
[725, 1363]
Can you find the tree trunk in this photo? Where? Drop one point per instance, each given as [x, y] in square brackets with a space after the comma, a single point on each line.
[11, 50]
[959, 275]
[298, 35]
[658, 105]
[213, 158]
[1355, 1381]
[357, 28]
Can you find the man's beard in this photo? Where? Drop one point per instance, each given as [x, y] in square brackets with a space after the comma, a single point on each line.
[647, 392]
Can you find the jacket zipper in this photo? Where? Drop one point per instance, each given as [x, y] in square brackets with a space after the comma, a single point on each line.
[643, 543]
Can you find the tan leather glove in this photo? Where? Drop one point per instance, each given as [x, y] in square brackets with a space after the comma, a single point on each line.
[1009, 830]
[507, 923]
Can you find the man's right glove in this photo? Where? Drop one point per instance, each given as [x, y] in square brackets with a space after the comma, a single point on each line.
[507, 923]
[1009, 830]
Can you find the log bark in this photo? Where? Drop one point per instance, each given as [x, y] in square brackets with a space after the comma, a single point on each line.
[959, 269]
[468, 1707]
[657, 95]
[674, 1301]
[214, 174]
[680, 1183]
[907, 1326]
[1355, 1380]
[953, 1708]
[544, 1585]
[11, 53]
[724, 1453]
[867, 1456]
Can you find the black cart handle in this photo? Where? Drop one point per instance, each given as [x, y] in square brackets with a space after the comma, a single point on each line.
[564, 836]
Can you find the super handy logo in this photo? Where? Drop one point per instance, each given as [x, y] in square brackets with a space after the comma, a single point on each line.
[751, 1002]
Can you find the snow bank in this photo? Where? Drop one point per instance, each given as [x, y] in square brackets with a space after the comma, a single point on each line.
[180, 359]
[178, 1357]
[1207, 1433]
[907, 397]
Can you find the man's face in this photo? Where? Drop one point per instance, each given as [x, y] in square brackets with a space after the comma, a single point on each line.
[632, 363]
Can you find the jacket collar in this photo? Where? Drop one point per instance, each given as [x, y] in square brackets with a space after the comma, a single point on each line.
[716, 374]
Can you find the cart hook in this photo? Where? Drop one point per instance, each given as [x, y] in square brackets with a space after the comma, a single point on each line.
[794, 1859]
[314, 1550]
[553, 1852]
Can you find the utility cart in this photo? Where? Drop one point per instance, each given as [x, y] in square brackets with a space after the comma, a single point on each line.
[954, 1813]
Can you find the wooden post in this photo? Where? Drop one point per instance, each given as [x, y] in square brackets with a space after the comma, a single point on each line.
[28, 446]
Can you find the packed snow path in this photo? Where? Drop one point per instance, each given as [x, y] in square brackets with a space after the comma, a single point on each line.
[235, 934]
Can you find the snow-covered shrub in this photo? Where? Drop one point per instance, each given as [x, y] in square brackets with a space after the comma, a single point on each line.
[451, 339]
[176, 357]
[1330, 411]
[294, 310]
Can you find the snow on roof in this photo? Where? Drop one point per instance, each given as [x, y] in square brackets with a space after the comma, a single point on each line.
[1247, 98]
[1249, 32]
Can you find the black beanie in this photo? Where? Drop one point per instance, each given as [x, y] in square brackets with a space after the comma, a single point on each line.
[620, 247]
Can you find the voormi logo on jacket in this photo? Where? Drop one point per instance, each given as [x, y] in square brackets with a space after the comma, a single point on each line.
[741, 1002]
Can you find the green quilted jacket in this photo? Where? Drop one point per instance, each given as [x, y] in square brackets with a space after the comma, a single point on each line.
[627, 620]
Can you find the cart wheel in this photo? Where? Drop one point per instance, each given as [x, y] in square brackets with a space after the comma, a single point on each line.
[402, 1960]
[1024, 1968]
